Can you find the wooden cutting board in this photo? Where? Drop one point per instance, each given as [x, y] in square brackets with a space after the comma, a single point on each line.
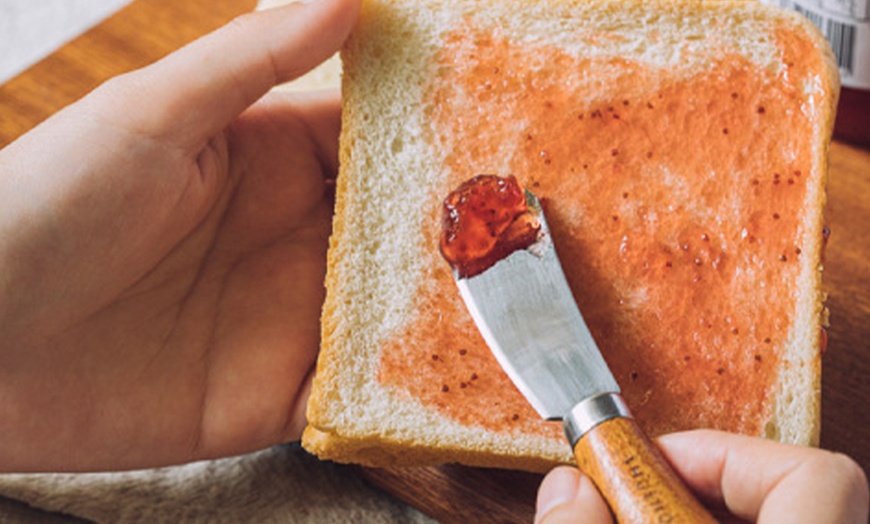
[149, 29]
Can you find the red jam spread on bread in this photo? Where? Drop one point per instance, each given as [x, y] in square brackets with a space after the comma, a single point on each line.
[675, 201]
[484, 220]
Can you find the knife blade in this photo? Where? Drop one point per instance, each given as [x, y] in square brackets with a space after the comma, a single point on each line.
[527, 315]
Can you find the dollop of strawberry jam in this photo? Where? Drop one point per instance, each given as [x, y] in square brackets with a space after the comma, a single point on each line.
[484, 220]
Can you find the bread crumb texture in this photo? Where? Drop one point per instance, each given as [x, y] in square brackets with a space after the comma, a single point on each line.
[679, 150]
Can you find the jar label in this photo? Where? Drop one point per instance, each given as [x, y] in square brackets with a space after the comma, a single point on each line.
[846, 25]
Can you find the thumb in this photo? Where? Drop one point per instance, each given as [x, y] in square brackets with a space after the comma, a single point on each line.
[568, 496]
[195, 92]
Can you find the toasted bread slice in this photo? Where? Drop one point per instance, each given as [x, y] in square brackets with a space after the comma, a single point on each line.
[680, 152]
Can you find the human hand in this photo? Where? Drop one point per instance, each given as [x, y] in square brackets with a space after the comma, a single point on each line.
[748, 479]
[162, 252]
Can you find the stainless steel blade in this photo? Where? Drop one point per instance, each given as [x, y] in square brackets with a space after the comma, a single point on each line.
[525, 310]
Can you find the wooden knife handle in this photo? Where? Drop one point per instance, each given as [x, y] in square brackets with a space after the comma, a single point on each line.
[633, 476]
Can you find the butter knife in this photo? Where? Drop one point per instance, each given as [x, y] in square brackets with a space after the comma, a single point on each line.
[525, 310]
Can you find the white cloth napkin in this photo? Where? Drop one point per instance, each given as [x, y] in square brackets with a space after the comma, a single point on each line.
[282, 484]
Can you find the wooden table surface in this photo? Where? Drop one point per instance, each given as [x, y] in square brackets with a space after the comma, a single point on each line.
[149, 29]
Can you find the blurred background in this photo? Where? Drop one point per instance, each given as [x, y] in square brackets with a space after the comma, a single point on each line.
[32, 29]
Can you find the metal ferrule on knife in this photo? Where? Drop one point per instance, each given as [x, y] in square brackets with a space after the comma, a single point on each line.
[591, 412]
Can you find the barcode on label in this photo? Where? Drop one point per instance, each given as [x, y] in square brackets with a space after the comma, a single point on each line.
[841, 36]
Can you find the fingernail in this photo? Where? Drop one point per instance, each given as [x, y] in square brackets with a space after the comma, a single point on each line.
[264, 5]
[559, 487]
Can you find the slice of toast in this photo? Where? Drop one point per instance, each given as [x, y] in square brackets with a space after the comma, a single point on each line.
[680, 152]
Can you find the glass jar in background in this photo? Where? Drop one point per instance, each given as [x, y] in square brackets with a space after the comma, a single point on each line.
[853, 116]
[846, 25]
